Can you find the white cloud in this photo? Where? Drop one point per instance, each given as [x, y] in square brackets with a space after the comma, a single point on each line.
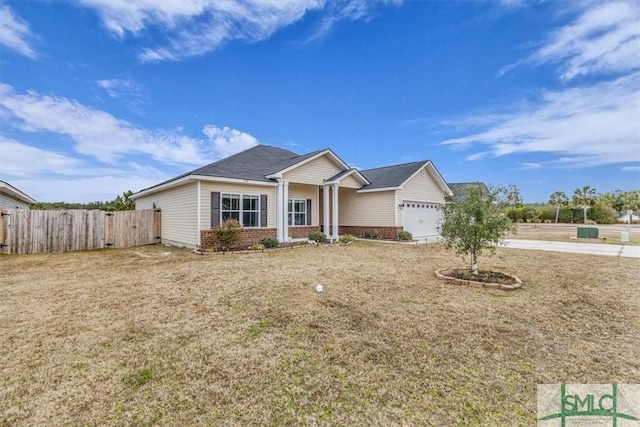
[83, 189]
[631, 168]
[227, 141]
[604, 39]
[587, 126]
[23, 160]
[530, 166]
[477, 156]
[199, 26]
[15, 33]
[97, 133]
[132, 94]
[117, 88]
[53, 176]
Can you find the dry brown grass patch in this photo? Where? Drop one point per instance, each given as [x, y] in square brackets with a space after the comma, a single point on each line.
[568, 233]
[161, 336]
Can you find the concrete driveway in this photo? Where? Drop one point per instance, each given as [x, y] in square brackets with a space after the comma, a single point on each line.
[625, 251]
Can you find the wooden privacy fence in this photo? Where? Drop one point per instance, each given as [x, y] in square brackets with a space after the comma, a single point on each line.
[24, 231]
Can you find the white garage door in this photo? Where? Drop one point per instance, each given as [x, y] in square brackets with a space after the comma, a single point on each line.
[420, 218]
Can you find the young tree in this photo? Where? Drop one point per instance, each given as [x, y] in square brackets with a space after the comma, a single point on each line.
[558, 199]
[475, 223]
[122, 203]
[584, 197]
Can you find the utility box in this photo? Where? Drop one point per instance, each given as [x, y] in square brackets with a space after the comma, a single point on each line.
[624, 237]
[587, 232]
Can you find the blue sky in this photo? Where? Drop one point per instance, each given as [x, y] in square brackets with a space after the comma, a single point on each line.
[101, 96]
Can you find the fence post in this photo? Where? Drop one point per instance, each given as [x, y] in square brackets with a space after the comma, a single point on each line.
[3, 233]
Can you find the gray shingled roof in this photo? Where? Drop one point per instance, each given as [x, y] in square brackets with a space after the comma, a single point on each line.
[252, 164]
[339, 175]
[258, 162]
[390, 176]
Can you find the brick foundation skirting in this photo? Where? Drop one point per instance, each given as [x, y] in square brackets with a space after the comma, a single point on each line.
[390, 233]
[250, 236]
[303, 231]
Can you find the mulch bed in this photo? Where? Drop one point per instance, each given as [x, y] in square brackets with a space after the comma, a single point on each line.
[484, 276]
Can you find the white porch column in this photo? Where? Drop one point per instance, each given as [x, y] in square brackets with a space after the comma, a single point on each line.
[285, 208]
[279, 211]
[334, 231]
[325, 208]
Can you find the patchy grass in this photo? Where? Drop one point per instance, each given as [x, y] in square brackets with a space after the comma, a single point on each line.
[160, 336]
[568, 233]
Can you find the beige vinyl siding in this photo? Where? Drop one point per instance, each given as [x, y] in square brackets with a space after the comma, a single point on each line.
[366, 209]
[300, 191]
[420, 189]
[8, 202]
[255, 190]
[144, 203]
[350, 182]
[179, 213]
[313, 172]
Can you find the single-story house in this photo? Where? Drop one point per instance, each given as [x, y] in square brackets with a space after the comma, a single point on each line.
[277, 193]
[12, 198]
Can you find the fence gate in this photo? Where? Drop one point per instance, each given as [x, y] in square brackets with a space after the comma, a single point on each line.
[24, 231]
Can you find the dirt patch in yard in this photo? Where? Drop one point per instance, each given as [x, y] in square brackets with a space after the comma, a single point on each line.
[161, 336]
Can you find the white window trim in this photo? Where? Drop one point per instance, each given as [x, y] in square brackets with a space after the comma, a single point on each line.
[241, 211]
[292, 212]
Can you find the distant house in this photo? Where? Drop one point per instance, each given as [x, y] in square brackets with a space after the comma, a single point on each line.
[281, 194]
[624, 218]
[12, 198]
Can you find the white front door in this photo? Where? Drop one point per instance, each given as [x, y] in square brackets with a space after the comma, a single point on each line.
[420, 218]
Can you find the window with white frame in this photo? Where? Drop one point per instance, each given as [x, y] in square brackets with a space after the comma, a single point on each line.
[243, 208]
[297, 212]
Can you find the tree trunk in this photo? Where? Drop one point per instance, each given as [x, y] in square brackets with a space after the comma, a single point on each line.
[474, 263]
[557, 213]
[584, 208]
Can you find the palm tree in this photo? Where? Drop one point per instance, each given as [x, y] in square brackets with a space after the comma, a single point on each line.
[584, 197]
[558, 199]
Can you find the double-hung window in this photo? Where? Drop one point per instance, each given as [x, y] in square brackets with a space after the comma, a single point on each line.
[250, 211]
[243, 208]
[297, 212]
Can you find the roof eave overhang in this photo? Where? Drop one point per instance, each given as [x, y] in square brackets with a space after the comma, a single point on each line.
[203, 178]
[359, 176]
[15, 193]
[373, 190]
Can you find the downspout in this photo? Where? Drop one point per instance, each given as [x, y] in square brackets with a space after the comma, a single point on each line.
[199, 215]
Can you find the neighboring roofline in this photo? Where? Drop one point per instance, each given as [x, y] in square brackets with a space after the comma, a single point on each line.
[17, 194]
[186, 179]
[278, 174]
[347, 173]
